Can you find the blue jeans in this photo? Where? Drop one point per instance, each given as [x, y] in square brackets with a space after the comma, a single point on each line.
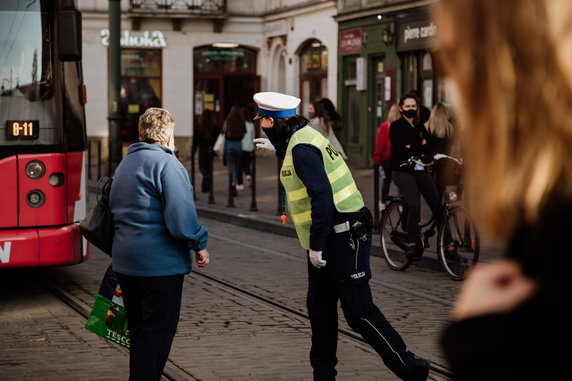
[388, 171]
[233, 152]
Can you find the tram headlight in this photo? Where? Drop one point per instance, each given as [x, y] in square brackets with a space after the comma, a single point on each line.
[56, 179]
[35, 169]
[35, 198]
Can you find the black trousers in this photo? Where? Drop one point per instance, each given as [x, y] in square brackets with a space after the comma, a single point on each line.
[153, 305]
[411, 187]
[206, 157]
[346, 278]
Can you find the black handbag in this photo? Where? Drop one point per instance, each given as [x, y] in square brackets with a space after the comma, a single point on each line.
[97, 226]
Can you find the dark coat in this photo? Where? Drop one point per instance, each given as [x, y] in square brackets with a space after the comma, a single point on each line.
[531, 342]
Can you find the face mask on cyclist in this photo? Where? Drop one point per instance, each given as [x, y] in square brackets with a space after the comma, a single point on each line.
[409, 113]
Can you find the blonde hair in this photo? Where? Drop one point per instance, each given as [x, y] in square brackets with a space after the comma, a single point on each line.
[510, 64]
[393, 114]
[438, 123]
[156, 125]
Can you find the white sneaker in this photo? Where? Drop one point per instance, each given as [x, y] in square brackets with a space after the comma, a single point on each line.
[240, 187]
[381, 206]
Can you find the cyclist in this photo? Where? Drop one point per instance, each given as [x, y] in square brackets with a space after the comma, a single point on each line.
[409, 139]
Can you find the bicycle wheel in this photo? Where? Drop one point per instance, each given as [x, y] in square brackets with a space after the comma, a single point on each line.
[458, 243]
[393, 236]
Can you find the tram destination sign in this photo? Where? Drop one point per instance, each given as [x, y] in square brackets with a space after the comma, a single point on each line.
[22, 129]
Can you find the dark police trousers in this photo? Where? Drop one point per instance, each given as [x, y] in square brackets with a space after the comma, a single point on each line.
[346, 278]
[153, 305]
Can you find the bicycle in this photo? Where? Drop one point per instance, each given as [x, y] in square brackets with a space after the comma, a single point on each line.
[458, 241]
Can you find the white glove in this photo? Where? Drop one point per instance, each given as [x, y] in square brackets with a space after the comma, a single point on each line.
[264, 144]
[316, 258]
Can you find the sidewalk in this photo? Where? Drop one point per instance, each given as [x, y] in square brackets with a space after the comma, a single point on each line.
[260, 206]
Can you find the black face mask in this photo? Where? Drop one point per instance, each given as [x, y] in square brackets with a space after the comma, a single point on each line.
[409, 113]
[278, 141]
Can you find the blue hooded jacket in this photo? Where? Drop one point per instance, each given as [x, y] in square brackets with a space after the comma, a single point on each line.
[156, 223]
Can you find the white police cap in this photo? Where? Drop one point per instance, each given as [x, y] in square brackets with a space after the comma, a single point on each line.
[275, 105]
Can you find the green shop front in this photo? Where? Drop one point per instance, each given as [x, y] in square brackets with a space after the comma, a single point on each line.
[382, 56]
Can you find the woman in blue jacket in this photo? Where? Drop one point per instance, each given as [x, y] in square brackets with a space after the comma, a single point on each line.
[156, 233]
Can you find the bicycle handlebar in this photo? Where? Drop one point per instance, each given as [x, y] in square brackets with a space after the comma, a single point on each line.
[436, 157]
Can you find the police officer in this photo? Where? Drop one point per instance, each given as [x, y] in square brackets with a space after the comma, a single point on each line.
[334, 226]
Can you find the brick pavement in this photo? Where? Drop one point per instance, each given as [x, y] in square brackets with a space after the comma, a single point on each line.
[42, 339]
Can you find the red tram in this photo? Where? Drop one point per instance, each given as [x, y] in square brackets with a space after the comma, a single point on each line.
[43, 146]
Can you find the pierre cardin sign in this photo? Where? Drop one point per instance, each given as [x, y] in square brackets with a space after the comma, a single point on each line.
[415, 35]
[129, 39]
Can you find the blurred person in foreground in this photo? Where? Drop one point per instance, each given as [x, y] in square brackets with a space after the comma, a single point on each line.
[510, 66]
[157, 234]
[334, 227]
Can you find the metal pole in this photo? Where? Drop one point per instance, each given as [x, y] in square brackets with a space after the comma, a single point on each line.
[211, 176]
[89, 144]
[231, 188]
[253, 207]
[376, 217]
[114, 85]
[279, 208]
[193, 150]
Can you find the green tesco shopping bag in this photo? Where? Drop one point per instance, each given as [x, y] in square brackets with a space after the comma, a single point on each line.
[108, 318]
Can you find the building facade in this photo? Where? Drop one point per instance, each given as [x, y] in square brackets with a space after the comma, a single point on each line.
[384, 52]
[191, 55]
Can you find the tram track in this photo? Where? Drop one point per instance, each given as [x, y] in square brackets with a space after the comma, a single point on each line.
[233, 287]
[390, 286]
[172, 372]
[438, 370]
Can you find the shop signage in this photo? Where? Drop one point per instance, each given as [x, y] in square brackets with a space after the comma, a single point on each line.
[415, 35]
[129, 39]
[276, 28]
[350, 42]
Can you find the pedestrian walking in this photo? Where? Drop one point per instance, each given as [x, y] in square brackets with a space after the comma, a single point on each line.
[247, 149]
[509, 63]
[234, 130]
[156, 233]
[204, 139]
[441, 139]
[334, 227]
[382, 153]
[321, 121]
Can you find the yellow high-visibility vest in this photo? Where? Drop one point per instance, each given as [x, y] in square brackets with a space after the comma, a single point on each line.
[347, 197]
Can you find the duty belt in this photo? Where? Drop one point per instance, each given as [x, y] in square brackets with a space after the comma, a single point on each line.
[343, 227]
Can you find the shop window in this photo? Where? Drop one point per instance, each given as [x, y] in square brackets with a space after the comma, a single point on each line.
[223, 77]
[211, 59]
[313, 73]
[141, 87]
